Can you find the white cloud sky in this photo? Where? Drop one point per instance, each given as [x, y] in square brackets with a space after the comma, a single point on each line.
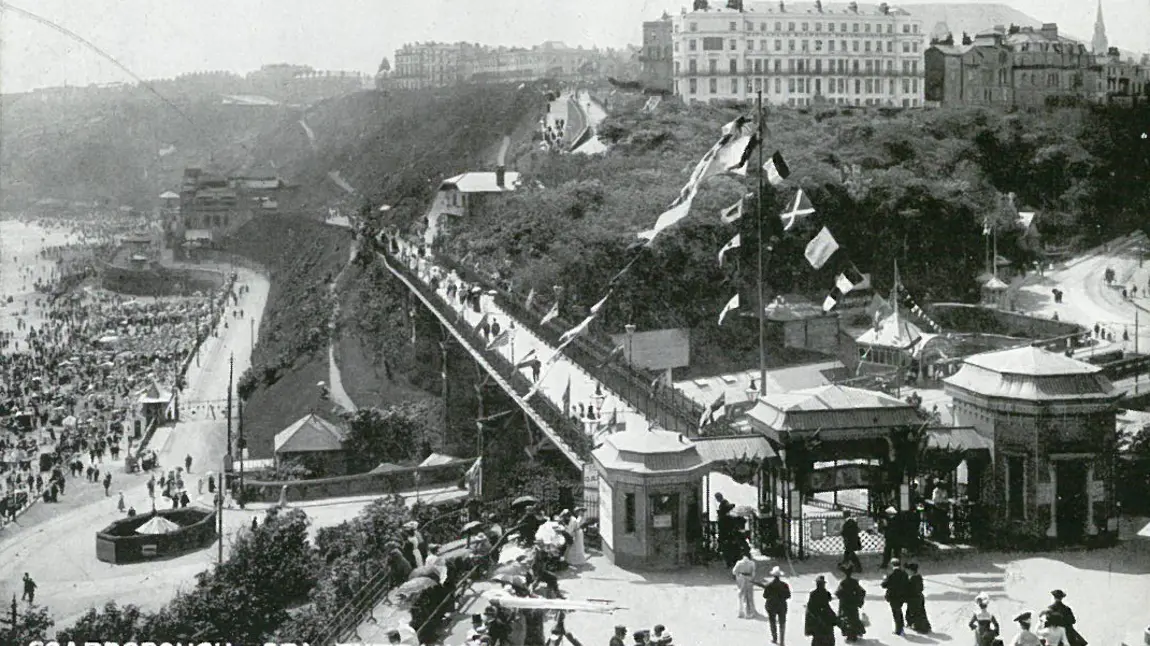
[163, 38]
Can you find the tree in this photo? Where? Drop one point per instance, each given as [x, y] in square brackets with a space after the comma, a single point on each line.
[32, 624]
[127, 623]
[398, 433]
[384, 65]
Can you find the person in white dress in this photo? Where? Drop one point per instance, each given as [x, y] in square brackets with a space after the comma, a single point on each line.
[1052, 632]
[576, 554]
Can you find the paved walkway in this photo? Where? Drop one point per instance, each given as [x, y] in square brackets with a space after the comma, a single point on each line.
[563, 373]
[595, 115]
[334, 377]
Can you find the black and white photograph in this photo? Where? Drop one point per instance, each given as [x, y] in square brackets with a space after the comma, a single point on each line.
[623, 322]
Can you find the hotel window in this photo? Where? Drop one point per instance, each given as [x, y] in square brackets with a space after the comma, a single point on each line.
[890, 46]
[906, 29]
[842, 86]
[791, 65]
[806, 45]
[734, 26]
[914, 85]
[914, 46]
[694, 26]
[758, 66]
[906, 47]
[869, 86]
[763, 44]
[778, 66]
[790, 45]
[734, 86]
[691, 45]
[692, 66]
[748, 26]
[843, 45]
[693, 85]
[733, 44]
[676, 45]
[892, 87]
[818, 65]
[749, 90]
[778, 45]
[818, 26]
[855, 67]
[867, 46]
[830, 26]
[906, 67]
[629, 513]
[890, 66]
[750, 45]
[916, 29]
[818, 86]
[890, 29]
[790, 85]
[762, 26]
[778, 85]
[733, 66]
[713, 65]
[914, 70]
[858, 87]
[806, 25]
[676, 68]
[830, 45]
[801, 65]
[854, 45]
[855, 27]
[1016, 487]
[758, 85]
[868, 28]
[790, 26]
[714, 86]
[778, 27]
[676, 87]
[906, 86]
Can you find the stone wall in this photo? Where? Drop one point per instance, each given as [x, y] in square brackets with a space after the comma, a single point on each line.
[119, 543]
[396, 481]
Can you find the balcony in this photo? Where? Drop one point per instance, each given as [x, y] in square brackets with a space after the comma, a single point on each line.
[824, 73]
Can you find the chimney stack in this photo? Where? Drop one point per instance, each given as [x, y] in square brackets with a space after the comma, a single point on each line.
[500, 171]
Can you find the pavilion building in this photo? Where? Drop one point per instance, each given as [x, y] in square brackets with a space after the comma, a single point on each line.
[1050, 420]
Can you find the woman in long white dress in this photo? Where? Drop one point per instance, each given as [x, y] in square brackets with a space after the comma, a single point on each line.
[576, 555]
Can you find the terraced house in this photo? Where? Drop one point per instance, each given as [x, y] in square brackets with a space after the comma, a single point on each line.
[799, 54]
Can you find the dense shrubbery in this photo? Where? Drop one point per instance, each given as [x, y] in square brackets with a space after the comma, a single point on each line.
[403, 433]
[908, 185]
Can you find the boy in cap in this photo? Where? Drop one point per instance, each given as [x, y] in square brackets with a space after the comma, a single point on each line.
[617, 638]
[660, 636]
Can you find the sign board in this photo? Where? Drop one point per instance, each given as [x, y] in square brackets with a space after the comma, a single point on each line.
[1097, 490]
[1044, 493]
[844, 476]
[606, 514]
[661, 521]
[148, 551]
[656, 349]
[591, 490]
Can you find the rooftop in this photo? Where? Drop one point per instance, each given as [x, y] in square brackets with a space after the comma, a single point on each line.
[1031, 374]
[1032, 361]
[791, 8]
[893, 331]
[734, 385]
[481, 182]
[831, 407]
[311, 433]
[649, 452]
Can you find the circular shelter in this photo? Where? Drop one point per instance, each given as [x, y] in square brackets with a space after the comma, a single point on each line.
[649, 507]
[1051, 421]
[994, 293]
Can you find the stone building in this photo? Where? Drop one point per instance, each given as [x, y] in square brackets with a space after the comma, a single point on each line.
[1051, 421]
[657, 56]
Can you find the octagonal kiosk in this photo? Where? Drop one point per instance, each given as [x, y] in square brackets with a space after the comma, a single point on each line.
[649, 507]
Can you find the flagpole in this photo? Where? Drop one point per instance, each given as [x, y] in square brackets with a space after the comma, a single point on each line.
[759, 223]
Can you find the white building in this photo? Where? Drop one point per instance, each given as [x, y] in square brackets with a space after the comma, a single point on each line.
[800, 54]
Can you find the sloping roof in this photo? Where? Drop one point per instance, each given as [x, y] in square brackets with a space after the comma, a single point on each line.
[481, 182]
[894, 331]
[1026, 219]
[735, 447]
[1031, 374]
[169, 195]
[198, 234]
[953, 50]
[828, 8]
[436, 459]
[649, 452]
[831, 407]
[706, 389]
[957, 439]
[995, 283]
[155, 395]
[310, 433]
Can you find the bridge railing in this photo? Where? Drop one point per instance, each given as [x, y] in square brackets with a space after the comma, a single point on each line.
[567, 430]
[1123, 368]
[668, 406]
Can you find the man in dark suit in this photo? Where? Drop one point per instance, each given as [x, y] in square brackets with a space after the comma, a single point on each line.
[1068, 619]
[776, 593]
[851, 544]
[897, 585]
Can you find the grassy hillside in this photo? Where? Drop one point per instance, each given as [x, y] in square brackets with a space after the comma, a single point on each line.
[911, 186]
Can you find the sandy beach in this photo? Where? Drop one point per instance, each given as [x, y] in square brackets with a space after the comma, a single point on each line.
[21, 265]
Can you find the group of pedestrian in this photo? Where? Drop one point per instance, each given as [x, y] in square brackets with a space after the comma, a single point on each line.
[905, 593]
[1056, 625]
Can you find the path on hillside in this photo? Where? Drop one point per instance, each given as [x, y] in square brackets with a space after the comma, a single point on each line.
[595, 116]
[1089, 300]
[334, 376]
[59, 553]
[310, 134]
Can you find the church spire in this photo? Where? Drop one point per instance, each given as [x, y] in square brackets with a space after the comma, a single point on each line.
[1099, 44]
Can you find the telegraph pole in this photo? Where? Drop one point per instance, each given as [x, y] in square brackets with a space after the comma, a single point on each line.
[761, 304]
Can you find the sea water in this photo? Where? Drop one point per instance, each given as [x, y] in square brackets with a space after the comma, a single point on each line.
[21, 266]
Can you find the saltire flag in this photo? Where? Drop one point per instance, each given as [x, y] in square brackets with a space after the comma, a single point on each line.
[820, 249]
[777, 169]
[500, 340]
[735, 243]
[845, 281]
[551, 314]
[732, 212]
[530, 298]
[616, 352]
[567, 336]
[732, 304]
[801, 206]
[567, 399]
[526, 360]
[479, 325]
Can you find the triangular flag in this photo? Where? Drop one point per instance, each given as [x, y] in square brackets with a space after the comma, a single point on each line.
[777, 169]
[669, 218]
[740, 168]
[829, 303]
[732, 212]
[735, 243]
[527, 359]
[551, 314]
[821, 248]
[598, 306]
[801, 206]
[582, 327]
[719, 402]
[615, 353]
[530, 298]
[732, 304]
[567, 399]
[500, 340]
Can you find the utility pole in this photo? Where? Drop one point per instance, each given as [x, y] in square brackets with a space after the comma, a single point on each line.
[242, 445]
[220, 512]
[761, 301]
[228, 449]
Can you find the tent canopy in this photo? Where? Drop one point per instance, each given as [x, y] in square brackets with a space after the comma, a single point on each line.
[157, 525]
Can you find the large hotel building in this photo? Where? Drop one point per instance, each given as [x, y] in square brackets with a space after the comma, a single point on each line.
[800, 54]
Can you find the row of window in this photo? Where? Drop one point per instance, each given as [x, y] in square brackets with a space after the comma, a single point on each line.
[803, 85]
[866, 27]
[715, 44]
[801, 65]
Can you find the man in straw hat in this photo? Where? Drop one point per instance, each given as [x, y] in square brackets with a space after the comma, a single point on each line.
[1025, 637]
[776, 593]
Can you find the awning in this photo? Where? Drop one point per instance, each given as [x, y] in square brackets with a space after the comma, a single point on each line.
[734, 447]
[957, 439]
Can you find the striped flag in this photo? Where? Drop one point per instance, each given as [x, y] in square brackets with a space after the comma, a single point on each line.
[846, 281]
[500, 340]
[735, 243]
[732, 304]
[820, 249]
[777, 169]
